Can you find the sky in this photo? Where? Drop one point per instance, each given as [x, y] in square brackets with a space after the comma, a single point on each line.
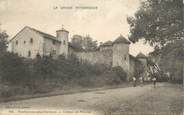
[103, 20]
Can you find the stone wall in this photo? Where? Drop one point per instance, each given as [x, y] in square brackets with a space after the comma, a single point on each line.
[96, 57]
[110, 56]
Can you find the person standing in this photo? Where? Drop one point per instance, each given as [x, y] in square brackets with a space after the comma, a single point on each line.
[154, 81]
[141, 81]
[134, 81]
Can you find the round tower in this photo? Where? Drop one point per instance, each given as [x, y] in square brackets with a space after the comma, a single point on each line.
[121, 53]
[62, 35]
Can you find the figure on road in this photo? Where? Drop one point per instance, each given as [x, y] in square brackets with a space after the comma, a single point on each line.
[141, 81]
[154, 81]
[134, 81]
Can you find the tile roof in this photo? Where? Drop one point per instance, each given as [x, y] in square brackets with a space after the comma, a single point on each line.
[141, 55]
[108, 43]
[121, 39]
[45, 35]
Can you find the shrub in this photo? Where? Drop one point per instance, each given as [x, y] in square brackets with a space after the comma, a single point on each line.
[13, 69]
[44, 74]
[9, 91]
[120, 72]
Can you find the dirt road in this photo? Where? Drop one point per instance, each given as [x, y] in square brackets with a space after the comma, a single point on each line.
[96, 100]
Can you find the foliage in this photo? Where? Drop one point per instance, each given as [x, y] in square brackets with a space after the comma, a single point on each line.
[13, 69]
[45, 74]
[120, 72]
[156, 21]
[84, 43]
[160, 23]
[162, 77]
[3, 42]
[171, 59]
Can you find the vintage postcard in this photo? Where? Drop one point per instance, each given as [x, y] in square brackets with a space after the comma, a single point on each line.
[91, 57]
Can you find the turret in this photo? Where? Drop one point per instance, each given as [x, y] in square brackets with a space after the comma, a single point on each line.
[143, 59]
[62, 35]
[121, 53]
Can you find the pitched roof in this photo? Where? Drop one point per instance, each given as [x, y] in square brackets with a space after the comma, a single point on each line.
[131, 56]
[45, 35]
[141, 55]
[121, 39]
[108, 43]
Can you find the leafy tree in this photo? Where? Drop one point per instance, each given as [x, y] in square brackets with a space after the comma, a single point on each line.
[157, 21]
[160, 23]
[84, 43]
[89, 44]
[77, 41]
[171, 59]
[3, 42]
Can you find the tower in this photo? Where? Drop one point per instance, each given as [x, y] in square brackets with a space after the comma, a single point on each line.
[143, 59]
[62, 35]
[121, 53]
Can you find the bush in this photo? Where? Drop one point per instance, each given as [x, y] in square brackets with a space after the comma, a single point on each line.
[120, 72]
[44, 74]
[9, 91]
[162, 77]
[13, 69]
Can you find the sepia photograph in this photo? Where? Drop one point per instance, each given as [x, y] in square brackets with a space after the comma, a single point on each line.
[91, 57]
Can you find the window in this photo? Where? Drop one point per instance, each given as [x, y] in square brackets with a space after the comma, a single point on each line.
[124, 58]
[38, 55]
[29, 53]
[31, 40]
[16, 42]
[64, 42]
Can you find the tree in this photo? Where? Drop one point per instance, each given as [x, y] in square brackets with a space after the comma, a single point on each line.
[77, 41]
[160, 23]
[171, 59]
[3, 42]
[89, 43]
[157, 21]
[84, 43]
